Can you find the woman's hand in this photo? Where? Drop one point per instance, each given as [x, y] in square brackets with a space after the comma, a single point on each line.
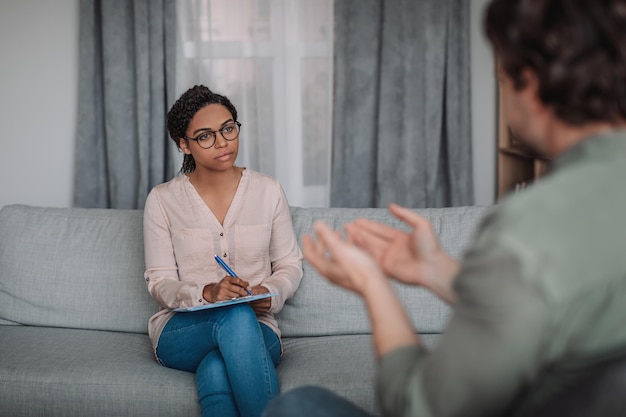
[227, 289]
[412, 257]
[263, 305]
[339, 261]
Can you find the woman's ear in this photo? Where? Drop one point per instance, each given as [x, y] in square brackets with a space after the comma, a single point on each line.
[184, 146]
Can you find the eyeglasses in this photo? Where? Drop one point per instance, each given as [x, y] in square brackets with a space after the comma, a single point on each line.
[207, 138]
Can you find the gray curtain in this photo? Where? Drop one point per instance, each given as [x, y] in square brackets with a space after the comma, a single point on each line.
[126, 85]
[402, 128]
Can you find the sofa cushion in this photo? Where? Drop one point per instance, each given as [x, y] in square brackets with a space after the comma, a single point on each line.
[74, 310]
[78, 268]
[70, 372]
[319, 308]
[83, 268]
[344, 364]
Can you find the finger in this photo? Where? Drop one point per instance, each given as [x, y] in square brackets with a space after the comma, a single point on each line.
[417, 222]
[315, 248]
[237, 282]
[381, 230]
[314, 253]
[260, 309]
[225, 294]
[327, 237]
[308, 246]
[233, 281]
[336, 260]
[366, 236]
[311, 255]
[326, 257]
[233, 287]
[231, 291]
[244, 285]
[259, 289]
[407, 216]
[371, 243]
[261, 303]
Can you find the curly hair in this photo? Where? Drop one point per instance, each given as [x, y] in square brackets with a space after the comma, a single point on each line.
[577, 49]
[185, 108]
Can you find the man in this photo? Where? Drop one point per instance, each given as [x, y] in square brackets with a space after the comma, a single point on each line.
[539, 298]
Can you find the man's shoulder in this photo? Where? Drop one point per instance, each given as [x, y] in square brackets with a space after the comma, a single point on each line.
[562, 231]
[587, 178]
[530, 210]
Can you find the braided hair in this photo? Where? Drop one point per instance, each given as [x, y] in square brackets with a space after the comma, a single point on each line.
[181, 113]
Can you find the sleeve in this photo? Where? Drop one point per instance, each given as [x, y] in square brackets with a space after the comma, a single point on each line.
[491, 349]
[285, 256]
[161, 268]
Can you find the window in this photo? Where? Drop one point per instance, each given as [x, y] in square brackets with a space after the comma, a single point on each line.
[273, 59]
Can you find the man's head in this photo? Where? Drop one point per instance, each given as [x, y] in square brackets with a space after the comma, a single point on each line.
[570, 56]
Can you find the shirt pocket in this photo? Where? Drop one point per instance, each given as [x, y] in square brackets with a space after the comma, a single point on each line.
[194, 252]
[252, 243]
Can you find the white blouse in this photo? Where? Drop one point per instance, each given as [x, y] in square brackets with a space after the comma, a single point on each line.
[182, 237]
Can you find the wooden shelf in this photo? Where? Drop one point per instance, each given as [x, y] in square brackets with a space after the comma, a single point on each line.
[518, 167]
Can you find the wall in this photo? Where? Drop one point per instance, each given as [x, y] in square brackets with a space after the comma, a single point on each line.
[484, 108]
[38, 96]
[38, 99]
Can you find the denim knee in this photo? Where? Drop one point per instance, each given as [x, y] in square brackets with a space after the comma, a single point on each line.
[240, 315]
[240, 318]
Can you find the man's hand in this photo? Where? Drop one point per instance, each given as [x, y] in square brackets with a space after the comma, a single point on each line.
[352, 268]
[412, 257]
[339, 261]
[227, 289]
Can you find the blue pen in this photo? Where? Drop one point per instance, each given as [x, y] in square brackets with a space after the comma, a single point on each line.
[228, 270]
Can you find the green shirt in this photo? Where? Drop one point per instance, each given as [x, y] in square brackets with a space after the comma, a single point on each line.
[541, 296]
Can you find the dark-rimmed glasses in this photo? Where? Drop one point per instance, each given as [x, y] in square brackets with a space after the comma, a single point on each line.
[207, 138]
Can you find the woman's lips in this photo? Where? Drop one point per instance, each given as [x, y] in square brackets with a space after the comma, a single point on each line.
[225, 157]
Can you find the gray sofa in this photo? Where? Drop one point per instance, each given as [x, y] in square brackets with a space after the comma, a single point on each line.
[74, 311]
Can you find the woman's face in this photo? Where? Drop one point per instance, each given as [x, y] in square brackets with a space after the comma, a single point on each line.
[205, 123]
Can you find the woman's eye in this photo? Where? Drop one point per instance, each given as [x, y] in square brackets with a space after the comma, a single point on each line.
[228, 129]
[203, 136]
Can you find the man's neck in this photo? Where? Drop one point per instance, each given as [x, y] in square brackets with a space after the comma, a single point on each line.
[562, 137]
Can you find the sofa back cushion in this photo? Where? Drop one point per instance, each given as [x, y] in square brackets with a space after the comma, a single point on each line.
[319, 308]
[83, 268]
[78, 268]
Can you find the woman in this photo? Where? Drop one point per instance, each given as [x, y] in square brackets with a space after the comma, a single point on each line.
[242, 216]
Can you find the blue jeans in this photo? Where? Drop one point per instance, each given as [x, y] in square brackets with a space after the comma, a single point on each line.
[310, 401]
[233, 355]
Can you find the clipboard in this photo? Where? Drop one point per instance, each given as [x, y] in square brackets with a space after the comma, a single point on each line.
[246, 299]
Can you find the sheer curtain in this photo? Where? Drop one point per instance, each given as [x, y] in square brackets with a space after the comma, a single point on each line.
[273, 59]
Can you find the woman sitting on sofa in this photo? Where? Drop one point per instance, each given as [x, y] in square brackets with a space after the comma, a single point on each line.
[242, 216]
